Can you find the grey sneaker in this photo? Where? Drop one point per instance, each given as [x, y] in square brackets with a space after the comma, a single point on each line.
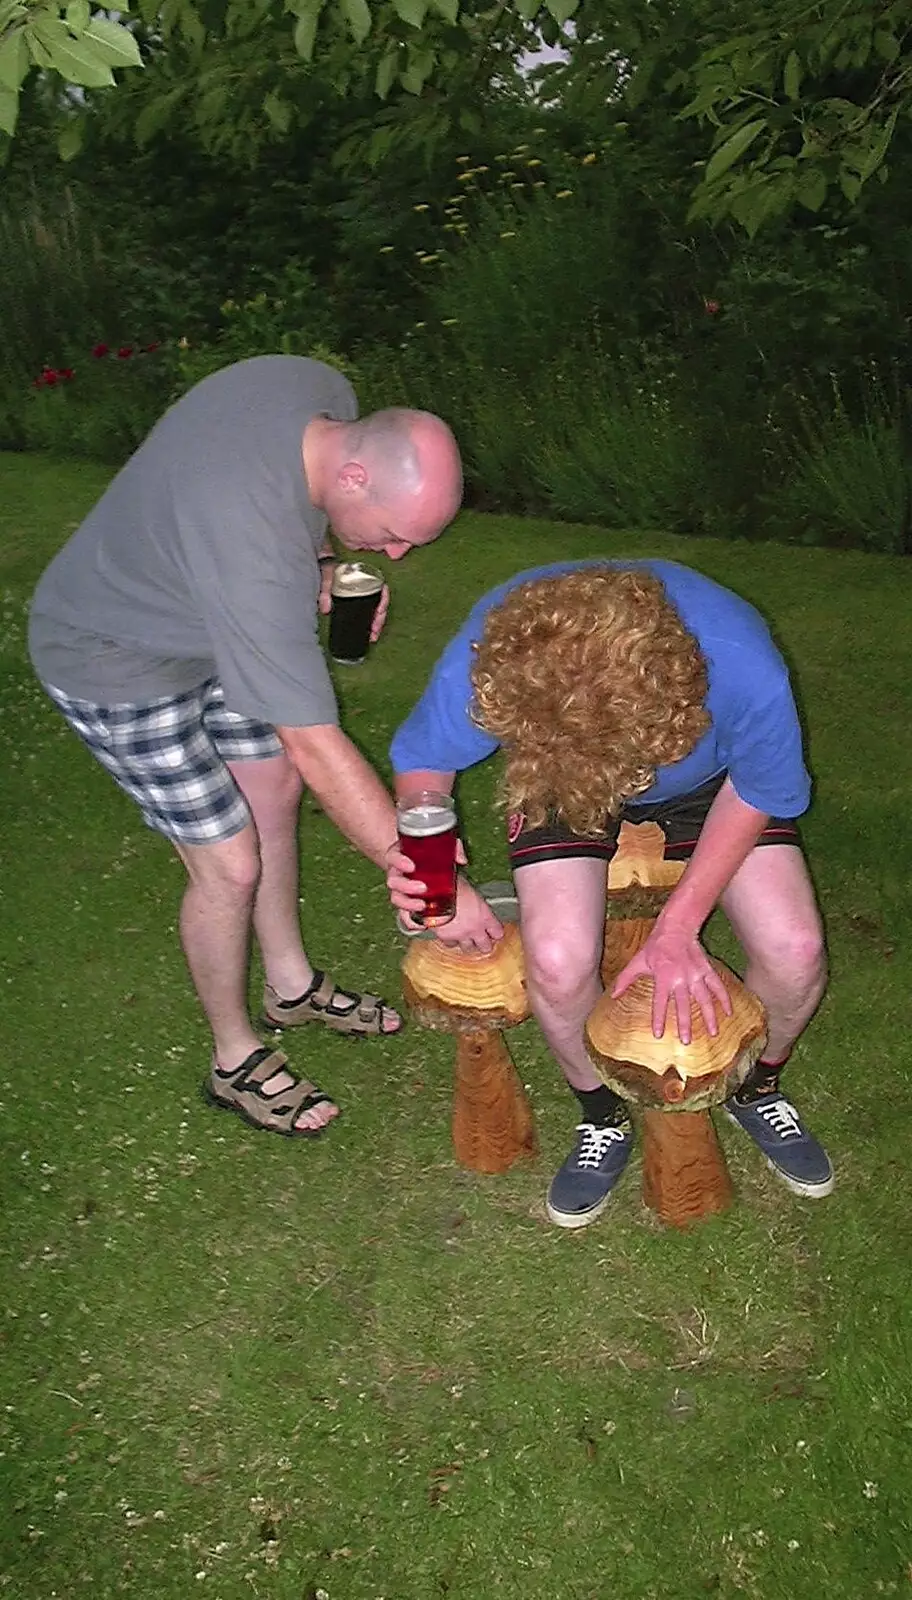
[580, 1188]
[793, 1153]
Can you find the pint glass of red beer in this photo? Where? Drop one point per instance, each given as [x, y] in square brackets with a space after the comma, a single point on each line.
[427, 835]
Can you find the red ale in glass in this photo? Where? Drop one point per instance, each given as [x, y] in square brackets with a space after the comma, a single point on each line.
[427, 835]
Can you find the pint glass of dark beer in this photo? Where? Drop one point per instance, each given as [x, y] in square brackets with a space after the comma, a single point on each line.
[356, 591]
[427, 834]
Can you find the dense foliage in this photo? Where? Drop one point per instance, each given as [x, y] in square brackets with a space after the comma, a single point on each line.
[523, 253]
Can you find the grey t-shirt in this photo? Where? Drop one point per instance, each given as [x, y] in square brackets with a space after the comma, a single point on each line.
[200, 559]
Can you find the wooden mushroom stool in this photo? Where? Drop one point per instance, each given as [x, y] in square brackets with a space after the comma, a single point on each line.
[474, 997]
[684, 1172]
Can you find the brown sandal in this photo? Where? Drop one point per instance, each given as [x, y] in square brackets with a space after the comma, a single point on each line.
[360, 1015]
[244, 1091]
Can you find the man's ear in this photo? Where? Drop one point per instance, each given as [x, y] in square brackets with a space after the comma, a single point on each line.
[352, 477]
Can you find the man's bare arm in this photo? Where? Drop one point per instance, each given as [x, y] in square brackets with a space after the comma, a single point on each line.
[347, 788]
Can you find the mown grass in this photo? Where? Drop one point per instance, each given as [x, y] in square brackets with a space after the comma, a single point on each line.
[235, 1365]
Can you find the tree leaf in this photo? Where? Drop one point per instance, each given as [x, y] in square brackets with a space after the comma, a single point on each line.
[526, 9]
[114, 43]
[886, 44]
[733, 148]
[14, 61]
[357, 15]
[791, 77]
[411, 11]
[278, 111]
[9, 109]
[812, 188]
[155, 116]
[421, 63]
[10, 11]
[69, 140]
[387, 68]
[77, 60]
[562, 10]
[78, 16]
[305, 33]
[448, 9]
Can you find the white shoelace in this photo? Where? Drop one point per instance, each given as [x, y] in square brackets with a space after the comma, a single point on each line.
[782, 1117]
[595, 1143]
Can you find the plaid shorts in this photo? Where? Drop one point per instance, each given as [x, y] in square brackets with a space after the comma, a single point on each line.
[169, 756]
[680, 819]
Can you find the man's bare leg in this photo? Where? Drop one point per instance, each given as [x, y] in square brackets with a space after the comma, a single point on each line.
[772, 908]
[562, 909]
[273, 789]
[215, 921]
[771, 905]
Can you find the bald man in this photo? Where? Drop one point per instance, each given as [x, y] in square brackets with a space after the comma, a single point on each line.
[177, 633]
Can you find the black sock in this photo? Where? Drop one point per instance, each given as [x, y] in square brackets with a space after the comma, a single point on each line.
[601, 1106]
[763, 1078]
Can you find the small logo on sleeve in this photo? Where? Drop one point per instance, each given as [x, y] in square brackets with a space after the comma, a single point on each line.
[515, 824]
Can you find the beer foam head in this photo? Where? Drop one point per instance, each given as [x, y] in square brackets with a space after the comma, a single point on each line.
[419, 822]
[353, 578]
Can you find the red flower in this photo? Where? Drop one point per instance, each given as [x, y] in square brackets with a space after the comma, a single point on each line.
[148, 348]
[49, 376]
[99, 350]
[66, 373]
[712, 307]
[125, 352]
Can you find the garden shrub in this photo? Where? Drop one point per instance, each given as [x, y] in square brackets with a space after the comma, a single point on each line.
[103, 406]
[852, 476]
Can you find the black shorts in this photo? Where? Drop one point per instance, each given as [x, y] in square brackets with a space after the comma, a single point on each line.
[680, 819]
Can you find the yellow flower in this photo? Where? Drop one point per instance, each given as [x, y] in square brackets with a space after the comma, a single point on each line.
[588, 160]
[482, 169]
[426, 260]
[228, 305]
[449, 322]
[540, 184]
[183, 343]
[462, 176]
[463, 159]
[517, 186]
[420, 324]
[510, 234]
[422, 207]
[562, 194]
[533, 162]
[387, 249]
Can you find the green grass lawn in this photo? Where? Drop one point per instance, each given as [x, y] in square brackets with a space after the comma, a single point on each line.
[235, 1365]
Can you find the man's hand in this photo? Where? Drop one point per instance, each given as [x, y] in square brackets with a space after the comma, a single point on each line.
[405, 890]
[380, 614]
[474, 929]
[681, 972]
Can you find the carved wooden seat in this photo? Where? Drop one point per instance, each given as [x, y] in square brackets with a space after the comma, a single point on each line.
[684, 1172]
[475, 997]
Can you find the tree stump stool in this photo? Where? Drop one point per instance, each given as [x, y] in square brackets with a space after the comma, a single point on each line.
[685, 1176]
[475, 997]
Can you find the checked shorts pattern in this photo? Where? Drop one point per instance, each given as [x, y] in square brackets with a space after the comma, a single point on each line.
[169, 756]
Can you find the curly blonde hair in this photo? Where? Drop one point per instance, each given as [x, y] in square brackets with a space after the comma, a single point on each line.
[590, 681]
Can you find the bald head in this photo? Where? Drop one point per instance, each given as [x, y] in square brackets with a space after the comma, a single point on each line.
[391, 480]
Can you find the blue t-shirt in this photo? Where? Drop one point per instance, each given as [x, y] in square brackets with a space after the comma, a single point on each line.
[754, 736]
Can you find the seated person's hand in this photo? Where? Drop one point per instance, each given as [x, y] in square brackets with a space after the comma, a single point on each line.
[681, 972]
[475, 929]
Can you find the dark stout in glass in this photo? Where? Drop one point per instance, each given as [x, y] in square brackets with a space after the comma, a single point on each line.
[356, 591]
